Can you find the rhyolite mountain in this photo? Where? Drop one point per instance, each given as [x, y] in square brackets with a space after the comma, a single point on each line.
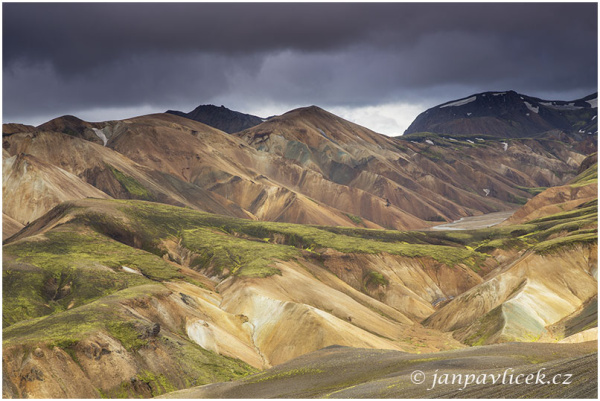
[509, 115]
[156, 253]
[221, 118]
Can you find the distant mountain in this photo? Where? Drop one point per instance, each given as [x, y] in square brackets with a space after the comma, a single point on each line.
[509, 115]
[76, 127]
[12, 128]
[221, 118]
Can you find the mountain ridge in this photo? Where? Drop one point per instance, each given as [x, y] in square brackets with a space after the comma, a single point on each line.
[311, 166]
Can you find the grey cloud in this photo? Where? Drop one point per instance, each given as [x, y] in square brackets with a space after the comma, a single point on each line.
[74, 36]
[62, 58]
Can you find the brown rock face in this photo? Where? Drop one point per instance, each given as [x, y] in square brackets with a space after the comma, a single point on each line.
[36, 187]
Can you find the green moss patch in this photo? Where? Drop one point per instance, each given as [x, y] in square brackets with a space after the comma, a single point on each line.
[589, 176]
[375, 278]
[556, 244]
[66, 269]
[239, 256]
[578, 212]
[126, 333]
[74, 324]
[155, 221]
[355, 219]
[532, 190]
[131, 185]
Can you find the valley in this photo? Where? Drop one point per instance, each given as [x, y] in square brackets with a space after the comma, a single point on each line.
[476, 222]
[299, 256]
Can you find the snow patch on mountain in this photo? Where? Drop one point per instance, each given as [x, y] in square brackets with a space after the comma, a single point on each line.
[567, 106]
[130, 270]
[593, 103]
[460, 102]
[100, 134]
[531, 107]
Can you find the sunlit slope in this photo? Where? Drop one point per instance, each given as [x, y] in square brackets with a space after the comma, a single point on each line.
[433, 177]
[32, 187]
[97, 166]
[138, 285]
[10, 226]
[550, 273]
[137, 278]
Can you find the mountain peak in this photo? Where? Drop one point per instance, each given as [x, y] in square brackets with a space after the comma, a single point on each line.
[508, 114]
[220, 117]
[67, 124]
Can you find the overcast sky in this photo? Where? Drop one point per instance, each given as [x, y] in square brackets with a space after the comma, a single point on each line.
[379, 65]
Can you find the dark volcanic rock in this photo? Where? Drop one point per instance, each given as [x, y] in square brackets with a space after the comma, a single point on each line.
[509, 115]
[221, 118]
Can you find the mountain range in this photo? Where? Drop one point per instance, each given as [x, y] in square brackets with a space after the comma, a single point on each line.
[160, 253]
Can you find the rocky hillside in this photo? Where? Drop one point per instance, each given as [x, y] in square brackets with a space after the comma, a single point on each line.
[433, 177]
[510, 115]
[220, 118]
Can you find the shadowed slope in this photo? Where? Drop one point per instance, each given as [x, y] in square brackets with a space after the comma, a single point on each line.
[339, 372]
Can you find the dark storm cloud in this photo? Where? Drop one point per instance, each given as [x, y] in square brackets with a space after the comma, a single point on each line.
[64, 58]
